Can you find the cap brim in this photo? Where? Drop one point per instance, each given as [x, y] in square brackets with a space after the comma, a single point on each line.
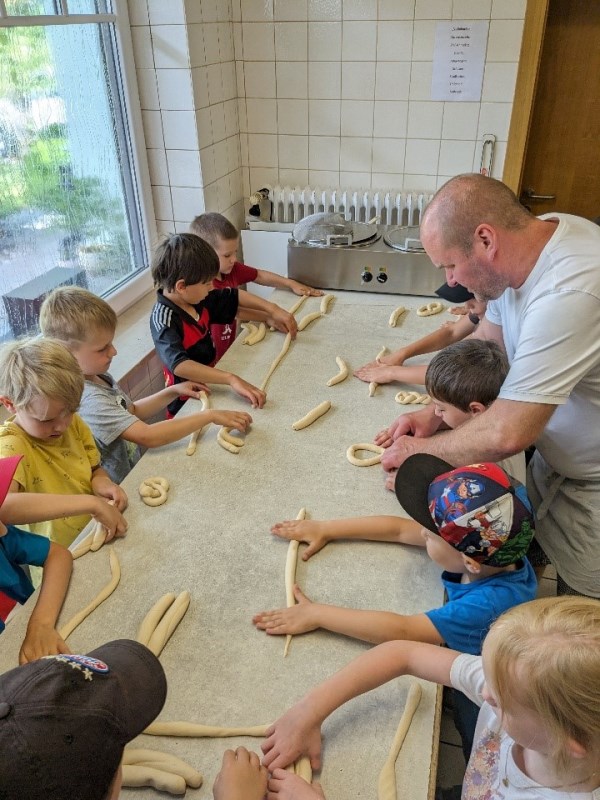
[412, 486]
[454, 294]
[142, 681]
[8, 467]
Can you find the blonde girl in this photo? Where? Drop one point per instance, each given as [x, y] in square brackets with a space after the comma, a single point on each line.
[538, 685]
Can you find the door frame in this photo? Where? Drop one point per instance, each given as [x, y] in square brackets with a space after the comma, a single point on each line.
[534, 28]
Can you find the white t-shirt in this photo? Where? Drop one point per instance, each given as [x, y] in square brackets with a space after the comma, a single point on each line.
[551, 330]
[491, 772]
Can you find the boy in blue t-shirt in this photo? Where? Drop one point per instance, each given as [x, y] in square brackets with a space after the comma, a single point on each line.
[20, 548]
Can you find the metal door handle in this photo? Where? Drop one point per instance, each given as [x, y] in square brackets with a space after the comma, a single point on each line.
[529, 194]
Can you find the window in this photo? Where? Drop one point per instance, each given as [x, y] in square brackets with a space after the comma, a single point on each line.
[71, 207]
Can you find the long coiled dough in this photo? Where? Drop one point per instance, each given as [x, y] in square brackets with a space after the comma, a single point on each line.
[342, 374]
[166, 762]
[154, 616]
[373, 385]
[251, 331]
[277, 360]
[136, 775]
[258, 335]
[231, 443]
[291, 562]
[171, 619]
[191, 448]
[386, 787]
[192, 729]
[312, 415]
[115, 569]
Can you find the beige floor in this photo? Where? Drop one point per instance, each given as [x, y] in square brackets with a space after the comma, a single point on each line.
[451, 764]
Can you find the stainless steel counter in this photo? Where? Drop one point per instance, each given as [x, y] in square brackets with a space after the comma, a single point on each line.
[212, 537]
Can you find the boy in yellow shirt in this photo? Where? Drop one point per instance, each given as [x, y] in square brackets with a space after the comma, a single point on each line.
[41, 385]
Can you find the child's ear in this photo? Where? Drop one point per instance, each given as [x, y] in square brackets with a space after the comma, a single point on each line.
[472, 566]
[575, 749]
[180, 285]
[7, 403]
[476, 408]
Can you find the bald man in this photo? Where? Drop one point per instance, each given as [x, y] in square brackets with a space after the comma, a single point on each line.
[541, 278]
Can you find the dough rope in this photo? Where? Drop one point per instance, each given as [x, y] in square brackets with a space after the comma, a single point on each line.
[303, 768]
[342, 374]
[386, 787]
[312, 415]
[408, 398]
[154, 616]
[98, 537]
[232, 444]
[192, 729]
[278, 359]
[257, 335]
[305, 321]
[191, 448]
[166, 627]
[134, 775]
[83, 547]
[395, 315]
[291, 563]
[430, 308]
[364, 462]
[153, 491]
[325, 301]
[165, 762]
[373, 385]
[115, 569]
[251, 330]
[298, 304]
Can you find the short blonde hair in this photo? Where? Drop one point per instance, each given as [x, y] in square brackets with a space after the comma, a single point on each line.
[547, 654]
[38, 367]
[71, 313]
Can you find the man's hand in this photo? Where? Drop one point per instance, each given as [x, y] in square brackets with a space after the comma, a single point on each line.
[296, 619]
[241, 777]
[283, 321]
[301, 289]
[302, 530]
[294, 734]
[252, 393]
[41, 640]
[188, 389]
[285, 785]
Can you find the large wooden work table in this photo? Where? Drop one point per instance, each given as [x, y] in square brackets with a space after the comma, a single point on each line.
[212, 538]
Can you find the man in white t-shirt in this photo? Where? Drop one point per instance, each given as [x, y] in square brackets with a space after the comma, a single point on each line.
[541, 276]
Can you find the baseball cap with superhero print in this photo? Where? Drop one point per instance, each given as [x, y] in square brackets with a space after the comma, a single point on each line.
[478, 509]
[65, 720]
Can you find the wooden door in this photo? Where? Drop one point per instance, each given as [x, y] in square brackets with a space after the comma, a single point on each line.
[562, 148]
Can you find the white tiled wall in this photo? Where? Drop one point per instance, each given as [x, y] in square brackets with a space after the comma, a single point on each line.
[239, 93]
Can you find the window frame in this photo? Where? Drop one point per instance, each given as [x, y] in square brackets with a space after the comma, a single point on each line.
[133, 288]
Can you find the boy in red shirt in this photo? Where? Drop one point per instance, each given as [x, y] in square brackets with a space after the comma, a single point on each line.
[224, 238]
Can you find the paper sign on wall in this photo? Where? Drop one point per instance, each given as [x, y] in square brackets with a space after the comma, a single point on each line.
[458, 60]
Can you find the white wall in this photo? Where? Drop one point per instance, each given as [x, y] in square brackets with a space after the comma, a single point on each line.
[239, 93]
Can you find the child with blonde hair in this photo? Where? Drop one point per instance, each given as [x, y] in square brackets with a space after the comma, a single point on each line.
[537, 683]
[86, 325]
[224, 238]
[41, 385]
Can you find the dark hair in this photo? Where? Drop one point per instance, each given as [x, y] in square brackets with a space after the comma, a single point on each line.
[183, 257]
[470, 371]
[213, 227]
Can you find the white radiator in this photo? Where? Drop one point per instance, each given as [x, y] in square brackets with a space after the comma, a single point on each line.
[288, 205]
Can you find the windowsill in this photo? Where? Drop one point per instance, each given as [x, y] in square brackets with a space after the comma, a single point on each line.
[132, 339]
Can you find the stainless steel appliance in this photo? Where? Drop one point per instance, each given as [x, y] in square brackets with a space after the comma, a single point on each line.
[363, 257]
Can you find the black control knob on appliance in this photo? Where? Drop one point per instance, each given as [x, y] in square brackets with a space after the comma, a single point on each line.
[366, 276]
[382, 277]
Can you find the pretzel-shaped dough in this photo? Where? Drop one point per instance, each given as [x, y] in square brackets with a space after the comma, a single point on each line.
[430, 308]
[408, 398]
[153, 491]
[364, 462]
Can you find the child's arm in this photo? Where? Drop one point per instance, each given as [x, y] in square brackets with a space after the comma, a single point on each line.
[104, 486]
[266, 278]
[42, 638]
[298, 731]
[368, 626]
[252, 315]
[378, 370]
[194, 371]
[147, 407]
[23, 508]
[172, 430]
[317, 533]
[382, 373]
[277, 317]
